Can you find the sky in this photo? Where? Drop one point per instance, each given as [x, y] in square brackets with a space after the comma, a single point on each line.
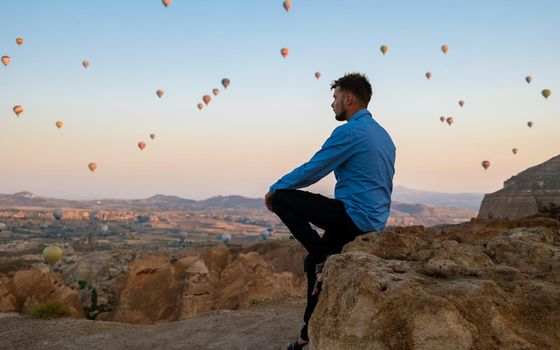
[275, 114]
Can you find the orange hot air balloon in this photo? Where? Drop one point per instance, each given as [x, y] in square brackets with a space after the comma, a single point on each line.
[85, 63]
[514, 150]
[166, 2]
[206, 99]
[19, 41]
[442, 119]
[428, 75]
[200, 106]
[384, 49]
[6, 60]
[528, 79]
[159, 93]
[486, 164]
[225, 82]
[59, 124]
[85, 215]
[444, 48]
[284, 52]
[92, 167]
[546, 93]
[317, 75]
[18, 110]
[141, 145]
[449, 120]
[461, 103]
[152, 136]
[287, 5]
[215, 92]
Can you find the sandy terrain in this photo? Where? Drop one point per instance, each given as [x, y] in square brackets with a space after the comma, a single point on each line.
[262, 326]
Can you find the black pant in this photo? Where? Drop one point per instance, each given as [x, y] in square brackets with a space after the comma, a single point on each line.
[297, 209]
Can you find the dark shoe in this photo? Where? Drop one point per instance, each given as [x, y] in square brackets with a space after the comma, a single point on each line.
[296, 345]
[318, 284]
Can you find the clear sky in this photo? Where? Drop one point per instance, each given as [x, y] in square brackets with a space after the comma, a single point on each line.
[275, 114]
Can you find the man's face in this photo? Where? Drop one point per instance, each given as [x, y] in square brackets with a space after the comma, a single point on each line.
[339, 104]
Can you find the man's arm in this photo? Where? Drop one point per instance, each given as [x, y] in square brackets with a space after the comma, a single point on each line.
[335, 151]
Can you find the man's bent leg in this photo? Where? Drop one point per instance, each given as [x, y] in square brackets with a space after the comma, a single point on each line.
[309, 266]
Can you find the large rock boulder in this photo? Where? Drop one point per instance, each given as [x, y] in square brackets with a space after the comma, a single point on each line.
[398, 291]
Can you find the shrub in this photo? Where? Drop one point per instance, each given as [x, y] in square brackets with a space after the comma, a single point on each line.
[50, 309]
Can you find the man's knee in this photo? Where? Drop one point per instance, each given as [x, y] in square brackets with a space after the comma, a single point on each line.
[278, 200]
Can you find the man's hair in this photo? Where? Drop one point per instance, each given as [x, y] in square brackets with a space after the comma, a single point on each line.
[356, 83]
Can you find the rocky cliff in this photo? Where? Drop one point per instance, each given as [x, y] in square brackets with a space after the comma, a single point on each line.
[496, 287]
[525, 193]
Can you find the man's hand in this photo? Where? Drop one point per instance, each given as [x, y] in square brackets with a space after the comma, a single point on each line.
[268, 201]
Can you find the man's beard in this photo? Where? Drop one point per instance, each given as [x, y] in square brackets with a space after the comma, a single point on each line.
[341, 116]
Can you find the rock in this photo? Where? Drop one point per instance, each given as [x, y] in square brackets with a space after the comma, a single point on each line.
[398, 291]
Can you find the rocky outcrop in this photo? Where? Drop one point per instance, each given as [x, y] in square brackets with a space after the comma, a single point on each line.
[525, 193]
[28, 288]
[407, 290]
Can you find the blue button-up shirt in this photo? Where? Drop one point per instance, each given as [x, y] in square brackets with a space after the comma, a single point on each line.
[362, 156]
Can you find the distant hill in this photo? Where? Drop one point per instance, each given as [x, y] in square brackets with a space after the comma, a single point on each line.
[470, 201]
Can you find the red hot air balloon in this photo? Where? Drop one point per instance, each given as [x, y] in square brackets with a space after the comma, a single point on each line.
[92, 167]
[444, 48]
[59, 124]
[317, 75]
[6, 60]
[206, 99]
[514, 151]
[19, 41]
[166, 2]
[200, 106]
[284, 52]
[287, 5]
[486, 164]
[141, 145]
[215, 92]
[18, 110]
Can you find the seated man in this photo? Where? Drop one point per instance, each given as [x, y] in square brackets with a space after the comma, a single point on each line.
[362, 156]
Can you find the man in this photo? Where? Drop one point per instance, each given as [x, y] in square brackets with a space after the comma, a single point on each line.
[362, 156]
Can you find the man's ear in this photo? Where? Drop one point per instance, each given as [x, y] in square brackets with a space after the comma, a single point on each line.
[349, 99]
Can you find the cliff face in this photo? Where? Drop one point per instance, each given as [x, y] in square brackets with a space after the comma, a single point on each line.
[525, 193]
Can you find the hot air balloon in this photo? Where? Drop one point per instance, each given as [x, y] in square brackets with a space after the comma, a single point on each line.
[486, 164]
[514, 150]
[52, 254]
[449, 120]
[444, 48]
[141, 145]
[3, 226]
[546, 93]
[428, 75]
[6, 60]
[442, 119]
[384, 49]
[530, 124]
[59, 124]
[159, 93]
[461, 103]
[166, 2]
[206, 99]
[215, 92]
[92, 167]
[57, 213]
[287, 5]
[528, 79]
[85, 63]
[152, 136]
[85, 215]
[284, 52]
[264, 235]
[225, 82]
[226, 238]
[19, 41]
[200, 106]
[18, 110]
[317, 75]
